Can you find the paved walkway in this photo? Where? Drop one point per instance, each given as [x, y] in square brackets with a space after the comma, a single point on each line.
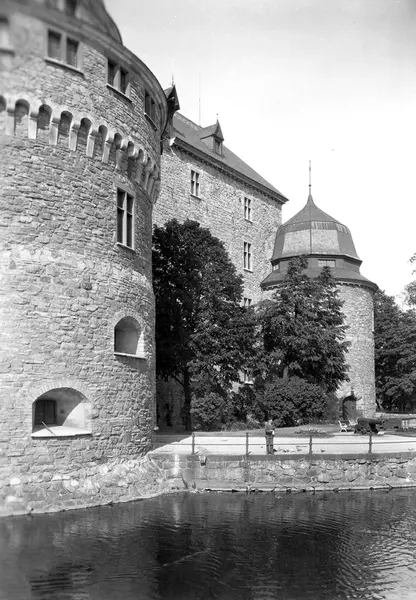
[235, 444]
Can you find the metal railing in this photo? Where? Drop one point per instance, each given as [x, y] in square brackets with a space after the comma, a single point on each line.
[305, 446]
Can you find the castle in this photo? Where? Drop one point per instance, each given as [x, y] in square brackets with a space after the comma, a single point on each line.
[83, 123]
[81, 127]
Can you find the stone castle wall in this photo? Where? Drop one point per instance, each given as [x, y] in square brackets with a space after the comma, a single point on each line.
[68, 141]
[358, 310]
[220, 208]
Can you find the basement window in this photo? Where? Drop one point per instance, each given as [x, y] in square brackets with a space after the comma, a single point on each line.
[60, 412]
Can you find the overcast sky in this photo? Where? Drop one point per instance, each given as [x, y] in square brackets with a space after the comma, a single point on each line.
[332, 81]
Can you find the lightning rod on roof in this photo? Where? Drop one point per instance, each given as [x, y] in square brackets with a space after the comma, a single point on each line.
[310, 178]
[199, 99]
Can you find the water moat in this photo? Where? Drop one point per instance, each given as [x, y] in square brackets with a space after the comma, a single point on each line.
[226, 546]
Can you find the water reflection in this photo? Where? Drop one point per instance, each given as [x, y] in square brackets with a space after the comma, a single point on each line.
[335, 546]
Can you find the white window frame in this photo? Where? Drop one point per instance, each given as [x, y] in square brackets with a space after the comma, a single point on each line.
[248, 211]
[248, 257]
[116, 82]
[63, 48]
[324, 262]
[247, 302]
[195, 184]
[122, 215]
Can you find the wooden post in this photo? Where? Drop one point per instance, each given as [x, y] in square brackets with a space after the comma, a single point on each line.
[370, 443]
[247, 444]
[310, 444]
[193, 442]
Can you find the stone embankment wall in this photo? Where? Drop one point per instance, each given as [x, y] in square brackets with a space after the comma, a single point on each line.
[294, 474]
[96, 484]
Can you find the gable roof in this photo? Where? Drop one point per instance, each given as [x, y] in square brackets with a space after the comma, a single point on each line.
[212, 131]
[188, 136]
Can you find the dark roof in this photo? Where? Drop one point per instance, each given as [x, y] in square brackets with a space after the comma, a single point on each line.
[312, 231]
[339, 273]
[190, 133]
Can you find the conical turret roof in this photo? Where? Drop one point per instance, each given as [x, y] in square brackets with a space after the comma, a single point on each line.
[312, 231]
[323, 240]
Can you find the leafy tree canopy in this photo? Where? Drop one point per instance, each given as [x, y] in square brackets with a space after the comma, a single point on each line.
[410, 288]
[202, 331]
[303, 329]
[395, 353]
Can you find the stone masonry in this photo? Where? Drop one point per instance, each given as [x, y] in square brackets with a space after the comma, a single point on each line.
[220, 207]
[69, 141]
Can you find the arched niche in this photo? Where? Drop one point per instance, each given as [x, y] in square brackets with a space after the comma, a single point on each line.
[60, 412]
[129, 338]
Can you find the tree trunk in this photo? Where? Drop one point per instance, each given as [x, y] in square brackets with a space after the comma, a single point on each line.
[186, 410]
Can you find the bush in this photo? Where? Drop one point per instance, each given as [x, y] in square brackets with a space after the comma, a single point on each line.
[362, 427]
[286, 401]
[209, 412]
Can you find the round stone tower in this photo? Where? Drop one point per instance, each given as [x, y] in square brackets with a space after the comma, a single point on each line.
[81, 123]
[326, 242]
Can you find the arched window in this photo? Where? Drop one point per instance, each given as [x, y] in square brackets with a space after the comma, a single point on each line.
[129, 338]
[43, 123]
[60, 412]
[64, 128]
[21, 118]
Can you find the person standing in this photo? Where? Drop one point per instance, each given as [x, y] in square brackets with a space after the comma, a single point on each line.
[269, 433]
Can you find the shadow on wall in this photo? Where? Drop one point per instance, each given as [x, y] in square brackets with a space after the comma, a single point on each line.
[59, 410]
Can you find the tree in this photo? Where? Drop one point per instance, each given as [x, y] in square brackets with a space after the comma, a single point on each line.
[202, 331]
[303, 329]
[395, 353]
[286, 401]
[410, 288]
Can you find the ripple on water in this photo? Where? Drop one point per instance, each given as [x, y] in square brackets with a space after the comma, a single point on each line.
[202, 546]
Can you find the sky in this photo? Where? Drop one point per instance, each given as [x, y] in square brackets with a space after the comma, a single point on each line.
[331, 81]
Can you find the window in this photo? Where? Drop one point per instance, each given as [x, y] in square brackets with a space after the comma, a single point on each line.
[71, 53]
[125, 218]
[247, 209]
[150, 107]
[217, 146]
[248, 258]
[129, 338]
[63, 49]
[247, 377]
[322, 262]
[45, 412]
[195, 183]
[71, 7]
[246, 302]
[118, 77]
[4, 34]
[60, 412]
[275, 267]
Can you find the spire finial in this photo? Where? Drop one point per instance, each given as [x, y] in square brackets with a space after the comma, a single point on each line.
[310, 179]
[173, 79]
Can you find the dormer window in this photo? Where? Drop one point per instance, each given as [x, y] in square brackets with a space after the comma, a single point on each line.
[217, 146]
